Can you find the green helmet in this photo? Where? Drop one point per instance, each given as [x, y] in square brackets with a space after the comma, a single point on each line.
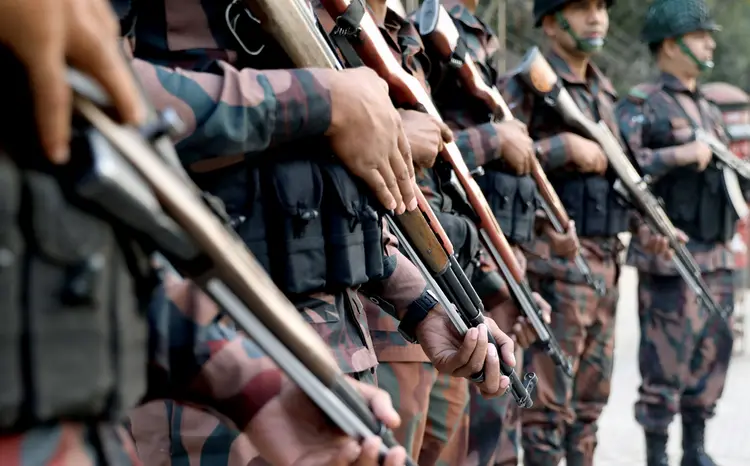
[674, 18]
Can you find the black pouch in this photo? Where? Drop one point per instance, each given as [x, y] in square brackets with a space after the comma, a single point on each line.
[11, 256]
[297, 227]
[617, 214]
[596, 201]
[372, 230]
[249, 219]
[345, 250]
[524, 210]
[711, 206]
[572, 193]
[70, 303]
[500, 190]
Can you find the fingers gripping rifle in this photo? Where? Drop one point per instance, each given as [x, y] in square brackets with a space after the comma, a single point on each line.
[299, 33]
[436, 25]
[539, 76]
[406, 90]
[133, 179]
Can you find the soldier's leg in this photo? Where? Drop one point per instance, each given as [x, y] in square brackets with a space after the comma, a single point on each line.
[593, 377]
[708, 370]
[485, 427]
[409, 384]
[445, 443]
[667, 312]
[544, 425]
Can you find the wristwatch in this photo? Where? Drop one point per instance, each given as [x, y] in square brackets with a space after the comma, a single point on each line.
[415, 314]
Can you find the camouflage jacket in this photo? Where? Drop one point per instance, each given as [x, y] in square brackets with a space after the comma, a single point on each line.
[595, 96]
[188, 59]
[647, 108]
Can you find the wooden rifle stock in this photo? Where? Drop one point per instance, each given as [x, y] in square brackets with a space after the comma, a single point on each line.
[539, 76]
[446, 39]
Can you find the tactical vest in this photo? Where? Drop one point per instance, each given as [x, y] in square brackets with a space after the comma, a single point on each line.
[696, 202]
[511, 197]
[307, 220]
[590, 199]
[73, 339]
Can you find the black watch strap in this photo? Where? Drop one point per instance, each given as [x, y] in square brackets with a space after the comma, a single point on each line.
[415, 314]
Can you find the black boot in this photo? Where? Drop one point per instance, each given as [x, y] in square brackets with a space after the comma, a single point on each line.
[693, 445]
[656, 449]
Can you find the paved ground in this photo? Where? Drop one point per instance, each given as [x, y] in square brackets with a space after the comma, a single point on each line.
[621, 441]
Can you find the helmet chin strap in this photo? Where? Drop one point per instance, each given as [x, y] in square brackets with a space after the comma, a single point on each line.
[584, 45]
[703, 65]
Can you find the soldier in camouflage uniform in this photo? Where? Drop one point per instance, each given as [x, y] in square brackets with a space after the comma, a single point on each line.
[77, 338]
[684, 351]
[563, 421]
[218, 100]
[511, 192]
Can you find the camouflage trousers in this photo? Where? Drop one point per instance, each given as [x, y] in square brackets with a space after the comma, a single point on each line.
[167, 433]
[74, 444]
[563, 421]
[684, 351]
[493, 429]
[431, 407]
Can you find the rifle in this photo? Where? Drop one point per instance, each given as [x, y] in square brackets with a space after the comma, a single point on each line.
[297, 30]
[730, 166]
[539, 76]
[132, 178]
[406, 90]
[436, 25]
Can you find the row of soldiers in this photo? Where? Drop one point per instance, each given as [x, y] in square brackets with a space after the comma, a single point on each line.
[80, 348]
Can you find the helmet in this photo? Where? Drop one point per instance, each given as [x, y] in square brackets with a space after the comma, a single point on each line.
[674, 18]
[543, 8]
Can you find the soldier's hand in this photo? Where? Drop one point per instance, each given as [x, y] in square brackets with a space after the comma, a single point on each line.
[563, 244]
[291, 430]
[426, 135]
[464, 356]
[367, 135]
[658, 244]
[46, 35]
[587, 155]
[516, 147]
[701, 154]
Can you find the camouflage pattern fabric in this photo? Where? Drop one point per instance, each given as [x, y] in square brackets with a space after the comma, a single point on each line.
[445, 443]
[409, 384]
[69, 443]
[562, 422]
[684, 352]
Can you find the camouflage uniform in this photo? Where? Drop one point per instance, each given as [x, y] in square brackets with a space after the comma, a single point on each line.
[187, 58]
[430, 404]
[684, 352]
[493, 419]
[562, 422]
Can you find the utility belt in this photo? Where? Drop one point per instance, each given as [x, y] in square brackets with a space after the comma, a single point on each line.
[593, 204]
[513, 202]
[310, 224]
[697, 204]
[74, 340]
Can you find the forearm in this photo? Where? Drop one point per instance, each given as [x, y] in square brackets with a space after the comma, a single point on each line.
[202, 362]
[240, 111]
[553, 152]
[478, 144]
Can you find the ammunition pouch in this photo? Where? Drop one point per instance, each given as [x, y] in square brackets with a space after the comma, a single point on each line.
[310, 224]
[697, 204]
[594, 205]
[513, 201]
[74, 338]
